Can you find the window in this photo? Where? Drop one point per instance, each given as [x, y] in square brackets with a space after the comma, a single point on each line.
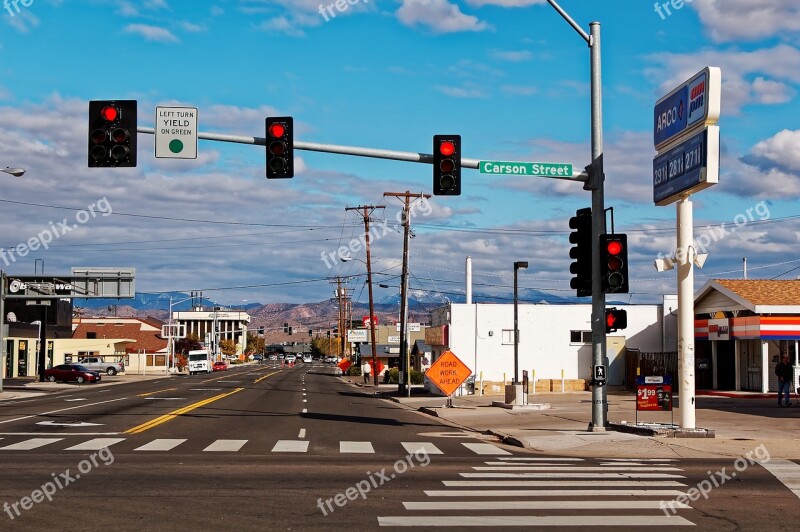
[91, 335]
[580, 337]
[507, 337]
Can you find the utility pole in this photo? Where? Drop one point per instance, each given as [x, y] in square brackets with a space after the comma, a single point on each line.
[367, 211]
[404, 383]
[340, 342]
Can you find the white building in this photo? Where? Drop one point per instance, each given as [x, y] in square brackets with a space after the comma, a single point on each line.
[229, 325]
[554, 340]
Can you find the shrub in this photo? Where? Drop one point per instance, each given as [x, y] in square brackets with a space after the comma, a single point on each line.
[417, 377]
[354, 370]
[392, 376]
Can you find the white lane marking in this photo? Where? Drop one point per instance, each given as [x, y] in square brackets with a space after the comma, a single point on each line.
[95, 444]
[304, 394]
[528, 521]
[230, 382]
[573, 468]
[302, 434]
[225, 445]
[786, 471]
[356, 447]
[164, 398]
[204, 389]
[485, 448]
[291, 446]
[59, 434]
[553, 493]
[305, 410]
[556, 474]
[640, 459]
[540, 505]
[413, 447]
[562, 483]
[518, 459]
[72, 400]
[305, 400]
[62, 410]
[27, 445]
[66, 424]
[160, 445]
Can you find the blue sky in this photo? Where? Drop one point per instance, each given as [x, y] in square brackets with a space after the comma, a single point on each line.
[510, 76]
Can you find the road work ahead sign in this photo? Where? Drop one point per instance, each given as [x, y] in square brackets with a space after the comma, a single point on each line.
[448, 372]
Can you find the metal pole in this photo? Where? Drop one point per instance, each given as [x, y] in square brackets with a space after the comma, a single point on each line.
[599, 393]
[404, 302]
[516, 328]
[2, 326]
[686, 313]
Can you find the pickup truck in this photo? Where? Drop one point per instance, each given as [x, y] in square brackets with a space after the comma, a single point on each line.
[98, 364]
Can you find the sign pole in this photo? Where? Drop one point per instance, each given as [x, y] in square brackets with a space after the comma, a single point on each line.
[2, 326]
[685, 271]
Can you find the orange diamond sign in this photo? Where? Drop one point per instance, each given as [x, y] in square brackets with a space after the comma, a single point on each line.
[448, 372]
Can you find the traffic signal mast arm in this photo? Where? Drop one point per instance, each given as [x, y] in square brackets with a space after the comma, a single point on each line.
[409, 156]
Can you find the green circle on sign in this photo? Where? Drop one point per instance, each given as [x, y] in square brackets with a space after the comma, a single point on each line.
[175, 146]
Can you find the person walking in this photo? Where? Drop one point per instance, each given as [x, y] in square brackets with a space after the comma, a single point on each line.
[366, 369]
[784, 372]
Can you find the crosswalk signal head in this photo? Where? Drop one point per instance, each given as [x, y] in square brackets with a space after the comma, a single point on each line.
[447, 165]
[112, 133]
[614, 263]
[616, 319]
[581, 252]
[280, 147]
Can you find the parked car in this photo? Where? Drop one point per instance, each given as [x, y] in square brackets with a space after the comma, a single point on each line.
[257, 357]
[220, 365]
[71, 373]
[98, 364]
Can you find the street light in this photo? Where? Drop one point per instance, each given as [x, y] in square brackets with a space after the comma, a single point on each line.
[371, 317]
[16, 172]
[517, 266]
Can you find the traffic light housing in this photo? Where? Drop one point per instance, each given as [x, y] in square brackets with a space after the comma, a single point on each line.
[280, 147]
[581, 252]
[290, 331]
[112, 133]
[447, 165]
[616, 319]
[285, 327]
[261, 330]
[614, 263]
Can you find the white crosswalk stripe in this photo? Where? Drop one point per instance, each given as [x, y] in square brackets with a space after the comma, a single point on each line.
[627, 493]
[356, 447]
[225, 445]
[415, 447]
[160, 445]
[27, 445]
[291, 446]
[95, 444]
[485, 448]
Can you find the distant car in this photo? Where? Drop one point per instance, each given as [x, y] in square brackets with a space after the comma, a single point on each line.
[306, 358]
[220, 366]
[291, 358]
[257, 357]
[331, 360]
[273, 357]
[71, 373]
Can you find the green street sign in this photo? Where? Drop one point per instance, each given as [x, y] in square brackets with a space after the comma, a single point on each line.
[557, 170]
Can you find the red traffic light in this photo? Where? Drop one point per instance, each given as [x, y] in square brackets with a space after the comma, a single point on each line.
[614, 247]
[447, 148]
[611, 319]
[276, 130]
[109, 113]
[616, 319]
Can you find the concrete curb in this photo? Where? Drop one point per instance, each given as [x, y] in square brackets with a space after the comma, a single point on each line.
[661, 432]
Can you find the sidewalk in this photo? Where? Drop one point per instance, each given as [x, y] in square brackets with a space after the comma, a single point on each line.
[740, 424]
[25, 387]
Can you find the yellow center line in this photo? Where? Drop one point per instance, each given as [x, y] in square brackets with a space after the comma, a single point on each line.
[157, 391]
[265, 376]
[175, 413]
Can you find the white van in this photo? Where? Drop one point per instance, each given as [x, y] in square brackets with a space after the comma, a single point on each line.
[200, 362]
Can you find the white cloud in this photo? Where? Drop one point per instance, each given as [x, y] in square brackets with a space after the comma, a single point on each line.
[737, 20]
[440, 16]
[513, 56]
[151, 33]
[462, 92]
[782, 149]
[758, 77]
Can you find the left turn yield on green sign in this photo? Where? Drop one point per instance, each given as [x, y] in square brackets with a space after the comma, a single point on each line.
[176, 132]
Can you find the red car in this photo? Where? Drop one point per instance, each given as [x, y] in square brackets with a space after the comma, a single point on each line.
[71, 373]
[220, 366]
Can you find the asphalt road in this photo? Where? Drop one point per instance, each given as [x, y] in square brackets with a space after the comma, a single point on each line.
[261, 448]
